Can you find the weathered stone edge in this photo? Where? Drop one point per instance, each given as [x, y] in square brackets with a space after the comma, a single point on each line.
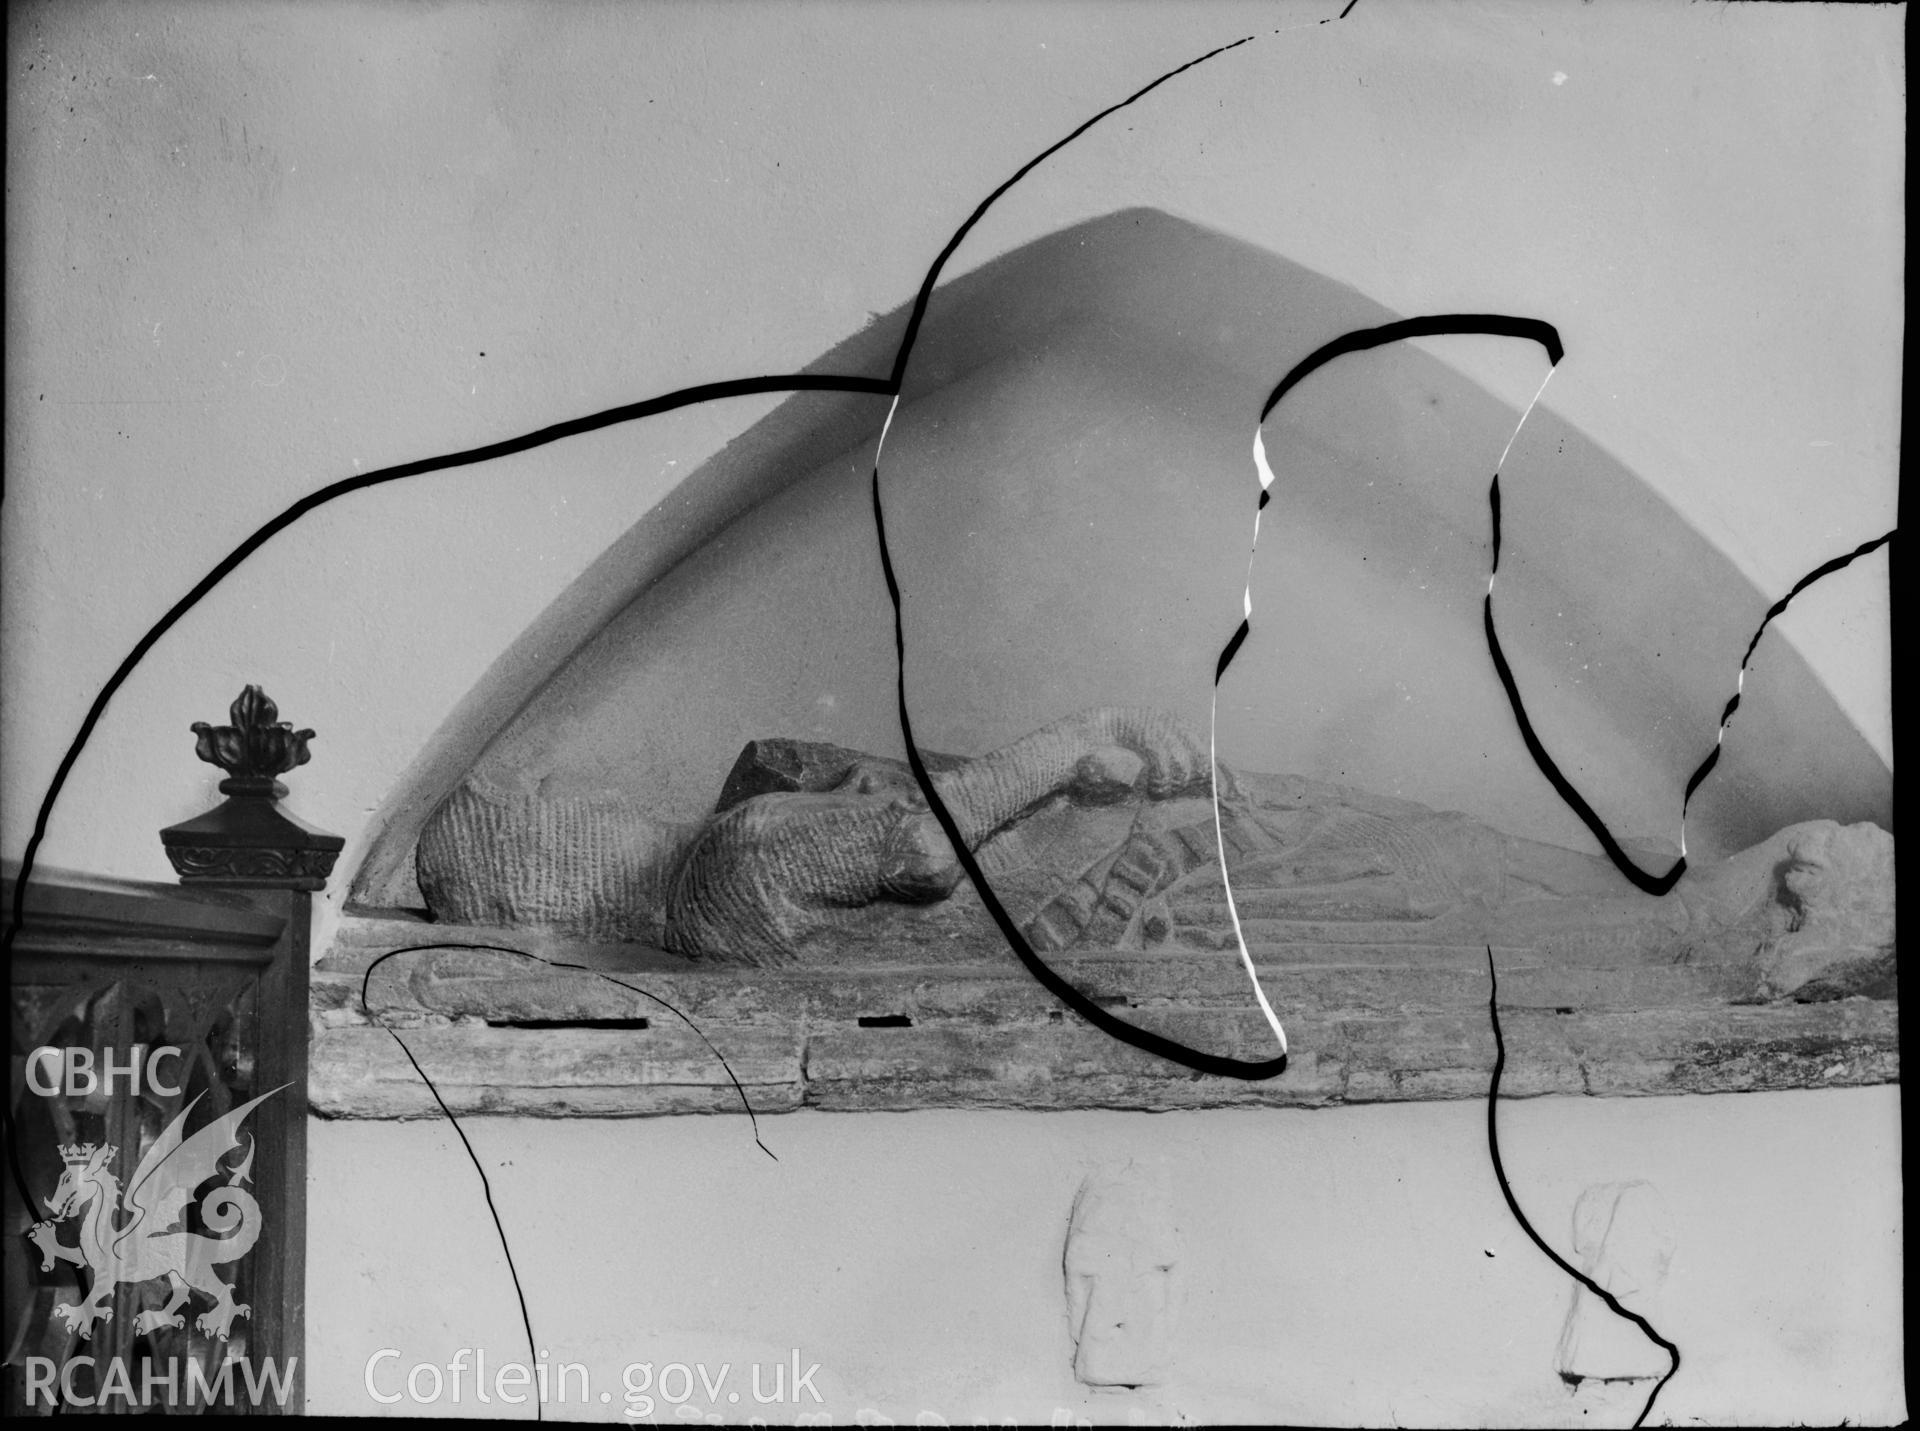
[358, 1070]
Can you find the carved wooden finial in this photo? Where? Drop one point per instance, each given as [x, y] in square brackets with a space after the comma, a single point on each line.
[258, 745]
[249, 839]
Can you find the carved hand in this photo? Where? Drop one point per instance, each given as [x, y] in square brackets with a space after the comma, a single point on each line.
[1176, 759]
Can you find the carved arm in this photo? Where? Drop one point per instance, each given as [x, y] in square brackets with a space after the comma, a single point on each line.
[1085, 750]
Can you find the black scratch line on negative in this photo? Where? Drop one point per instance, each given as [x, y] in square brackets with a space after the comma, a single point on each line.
[1652, 884]
[525, 442]
[1493, 501]
[1100, 1018]
[685, 397]
[1573, 799]
[1825, 569]
[699, 1033]
[1513, 1203]
[925, 294]
[486, 1185]
[1232, 649]
[1439, 325]
[1055, 983]
[1548, 337]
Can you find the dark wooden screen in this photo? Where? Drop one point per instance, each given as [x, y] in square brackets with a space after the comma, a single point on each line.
[110, 967]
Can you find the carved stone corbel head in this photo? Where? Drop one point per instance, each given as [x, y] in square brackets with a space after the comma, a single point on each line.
[1121, 1263]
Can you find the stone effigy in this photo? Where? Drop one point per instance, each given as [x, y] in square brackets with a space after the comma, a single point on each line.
[802, 834]
[1097, 832]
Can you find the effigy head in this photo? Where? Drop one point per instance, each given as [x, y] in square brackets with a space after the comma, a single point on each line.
[1834, 916]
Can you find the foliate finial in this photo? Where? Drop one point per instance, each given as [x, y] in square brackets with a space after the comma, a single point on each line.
[258, 744]
[248, 839]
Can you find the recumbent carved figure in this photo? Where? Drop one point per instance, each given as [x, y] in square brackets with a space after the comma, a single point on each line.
[1097, 832]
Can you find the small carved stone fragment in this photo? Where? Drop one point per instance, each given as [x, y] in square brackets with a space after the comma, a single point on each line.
[1836, 901]
[1121, 1261]
[1623, 1239]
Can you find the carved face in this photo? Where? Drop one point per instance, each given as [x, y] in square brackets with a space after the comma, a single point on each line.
[1838, 871]
[1119, 1265]
[1807, 880]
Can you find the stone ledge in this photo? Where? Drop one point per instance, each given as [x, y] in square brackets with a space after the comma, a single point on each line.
[499, 1034]
[554, 1073]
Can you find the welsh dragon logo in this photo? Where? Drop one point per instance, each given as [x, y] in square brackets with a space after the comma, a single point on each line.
[152, 1243]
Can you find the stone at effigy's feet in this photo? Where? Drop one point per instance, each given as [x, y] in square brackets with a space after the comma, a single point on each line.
[1832, 920]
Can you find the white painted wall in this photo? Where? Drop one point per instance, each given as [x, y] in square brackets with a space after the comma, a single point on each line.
[1336, 1267]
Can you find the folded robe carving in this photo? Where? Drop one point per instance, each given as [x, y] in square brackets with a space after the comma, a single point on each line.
[1097, 832]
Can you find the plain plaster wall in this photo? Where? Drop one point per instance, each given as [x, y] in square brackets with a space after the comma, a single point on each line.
[1338, 1267]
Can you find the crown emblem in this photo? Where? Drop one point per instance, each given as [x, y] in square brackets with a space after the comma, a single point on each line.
[77, 1154]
